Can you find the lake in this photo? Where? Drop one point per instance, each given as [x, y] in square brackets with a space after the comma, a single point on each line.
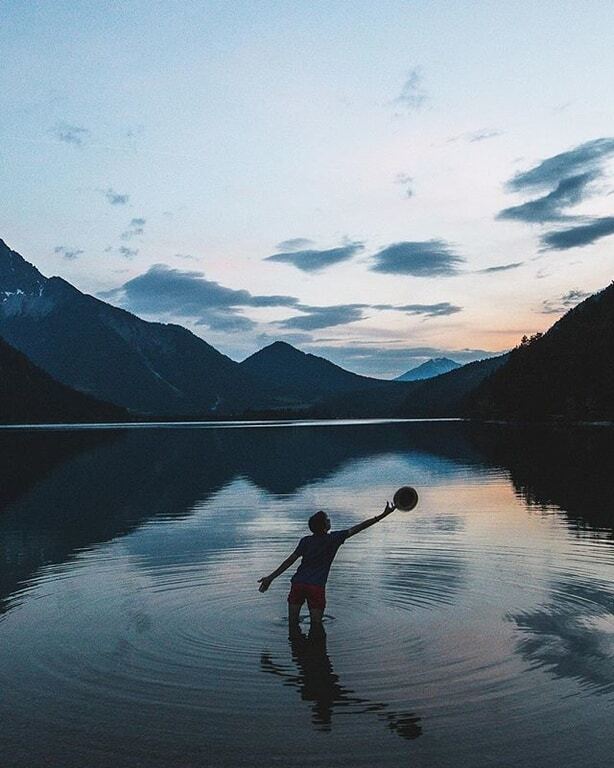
[476, 630]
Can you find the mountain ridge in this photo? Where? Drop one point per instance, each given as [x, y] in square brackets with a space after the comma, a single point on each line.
[29, 395]
[89, 345]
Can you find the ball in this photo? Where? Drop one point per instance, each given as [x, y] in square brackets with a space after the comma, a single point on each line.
[405, 498]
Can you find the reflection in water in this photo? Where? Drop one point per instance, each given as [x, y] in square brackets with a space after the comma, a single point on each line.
[571, 468]
[128, 613]
[573, 635]
[61, 492]
[318, 684]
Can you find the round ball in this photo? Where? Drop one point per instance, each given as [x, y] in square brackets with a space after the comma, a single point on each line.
[405, 498]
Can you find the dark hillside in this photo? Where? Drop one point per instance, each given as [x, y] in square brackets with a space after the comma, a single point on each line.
[566, 373]
[28, 395]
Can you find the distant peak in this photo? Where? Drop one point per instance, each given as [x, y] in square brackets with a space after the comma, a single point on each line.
[443, 360]
[281, 347]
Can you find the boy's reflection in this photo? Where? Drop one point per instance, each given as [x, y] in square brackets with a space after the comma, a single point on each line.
[318, 683]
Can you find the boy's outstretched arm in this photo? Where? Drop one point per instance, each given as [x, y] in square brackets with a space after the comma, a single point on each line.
[389, 508]
[265, 581]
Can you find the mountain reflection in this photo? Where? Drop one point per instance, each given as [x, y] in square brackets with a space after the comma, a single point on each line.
[570, 468]
[318, 684]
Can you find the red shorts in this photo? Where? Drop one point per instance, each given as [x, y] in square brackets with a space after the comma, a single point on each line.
[313, 593]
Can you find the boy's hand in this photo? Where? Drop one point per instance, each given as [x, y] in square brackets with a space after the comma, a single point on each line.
[265, 583]
[388, 509]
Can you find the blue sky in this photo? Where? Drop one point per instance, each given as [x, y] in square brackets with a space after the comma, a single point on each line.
[380, 183]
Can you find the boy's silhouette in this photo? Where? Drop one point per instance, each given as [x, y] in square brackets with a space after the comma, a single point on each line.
[318, 552]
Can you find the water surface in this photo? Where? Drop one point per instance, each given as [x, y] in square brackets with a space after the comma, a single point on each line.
[476, 630]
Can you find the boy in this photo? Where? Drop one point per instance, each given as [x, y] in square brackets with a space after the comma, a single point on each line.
[318, 552]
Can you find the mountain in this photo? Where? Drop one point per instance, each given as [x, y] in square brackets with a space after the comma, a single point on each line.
[447, 396]
[444, 396]
[567, 373]
[28, 395]
[149, 368]
[429, 369]
[299, 378]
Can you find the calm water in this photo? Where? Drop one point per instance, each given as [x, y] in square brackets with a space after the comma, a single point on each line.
[477, 630]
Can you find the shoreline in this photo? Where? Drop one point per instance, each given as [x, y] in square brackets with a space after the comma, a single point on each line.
[273, 423]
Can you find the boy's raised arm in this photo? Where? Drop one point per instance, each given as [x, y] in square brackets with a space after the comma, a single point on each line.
[389, 508]
[265, 581]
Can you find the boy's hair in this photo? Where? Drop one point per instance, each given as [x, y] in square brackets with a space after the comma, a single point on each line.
[317, 522]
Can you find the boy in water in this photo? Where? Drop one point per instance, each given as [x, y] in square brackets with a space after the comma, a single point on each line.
[318, 552]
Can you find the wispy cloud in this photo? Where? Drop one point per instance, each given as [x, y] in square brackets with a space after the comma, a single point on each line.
[499, 268]
[551, 171]
[568, 192]
[428, 310]
[471, 137]
[135, 228]
[316, 260]
[127, 253]
[295, 244]
[569, 176]
[483, 134]
[68, 253]
[228, 319]
[315, 318]
[116, 198]
[563, 303]
[406, 181]
[413, 95]
[424, 258]
[578, 237]
[70, 133]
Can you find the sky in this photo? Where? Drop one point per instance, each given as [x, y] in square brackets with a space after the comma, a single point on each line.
[378, 183]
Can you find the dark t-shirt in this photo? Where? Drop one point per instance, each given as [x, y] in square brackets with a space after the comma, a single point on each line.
[318, 552]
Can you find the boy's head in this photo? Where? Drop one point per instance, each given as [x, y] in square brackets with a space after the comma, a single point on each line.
[319, 523]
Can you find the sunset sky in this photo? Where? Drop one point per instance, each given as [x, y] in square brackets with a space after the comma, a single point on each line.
[379, 183]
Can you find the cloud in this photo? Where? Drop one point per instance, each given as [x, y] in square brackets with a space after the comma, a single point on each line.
[316, 260]
[228, 320]
[578, 237]
[405, 180]
[136, 227]
[127, 253]
[70, 134]
[115, 198]
[68, 253]
[315, 318]
[568, 192]
[163, 290]
[482, 134]
[568, 176]
[413, 95]
[295, 244]
[551, 171]
[426, 258]
[499, 268]
[428, 310]
[564, 302]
